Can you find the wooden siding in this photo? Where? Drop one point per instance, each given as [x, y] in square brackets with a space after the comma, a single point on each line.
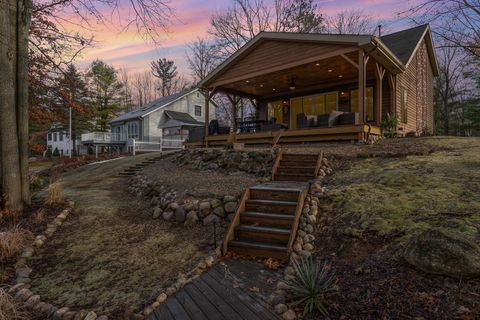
[418, 81]
[270, 54]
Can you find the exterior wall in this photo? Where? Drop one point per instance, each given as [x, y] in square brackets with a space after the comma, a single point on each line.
[62, 146]
[418, 81]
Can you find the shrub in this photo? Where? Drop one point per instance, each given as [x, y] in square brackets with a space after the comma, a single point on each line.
[312, 281]
[389, 125]
[56, 153]
[12, 242]
[48, 154]
[54, 194]
[8, 309]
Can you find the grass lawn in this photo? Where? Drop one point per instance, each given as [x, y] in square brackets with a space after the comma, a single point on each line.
[110, 255]
[376, 200]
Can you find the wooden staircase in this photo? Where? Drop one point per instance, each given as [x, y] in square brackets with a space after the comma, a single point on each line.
[296, 167]
[267, 218]
[132, 170]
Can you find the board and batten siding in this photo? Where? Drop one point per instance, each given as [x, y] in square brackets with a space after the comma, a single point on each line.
[418, 82]
[274, 53]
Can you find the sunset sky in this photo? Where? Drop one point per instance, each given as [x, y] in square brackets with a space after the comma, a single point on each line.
[128, 50]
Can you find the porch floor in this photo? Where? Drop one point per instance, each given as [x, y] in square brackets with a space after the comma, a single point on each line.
[338, 133]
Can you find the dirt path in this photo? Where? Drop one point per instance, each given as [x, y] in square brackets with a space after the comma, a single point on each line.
[110, 255]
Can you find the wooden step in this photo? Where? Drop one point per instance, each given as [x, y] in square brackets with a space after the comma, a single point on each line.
[271, 206]
[300, 170]
[297, 163]
[297, 157]
[293, 177]
[262, 233]
[273, 194]
[267, 219]
[256, 249]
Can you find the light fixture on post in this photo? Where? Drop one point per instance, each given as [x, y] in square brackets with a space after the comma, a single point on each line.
[292, 85]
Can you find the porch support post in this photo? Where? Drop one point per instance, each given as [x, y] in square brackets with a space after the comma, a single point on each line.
[361, 84]
[207, 116]
[393, 93]
[379, 73]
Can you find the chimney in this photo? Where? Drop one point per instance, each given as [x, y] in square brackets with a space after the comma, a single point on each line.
[379, 30]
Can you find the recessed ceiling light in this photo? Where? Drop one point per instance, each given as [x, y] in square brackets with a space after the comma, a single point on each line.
[261, 85]
[330, 70]
[317, 64]
[248, 81]
[340, 76]
[274, 89]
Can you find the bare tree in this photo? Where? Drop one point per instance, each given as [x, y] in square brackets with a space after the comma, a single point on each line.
[144, 88]
[202, 58]
[233, 27]
[124, 78]
[351, 22]
[166, 71]
[457, 22]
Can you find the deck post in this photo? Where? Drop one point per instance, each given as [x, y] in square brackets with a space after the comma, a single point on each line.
[207, 115]
[361, 84]
[379, 73]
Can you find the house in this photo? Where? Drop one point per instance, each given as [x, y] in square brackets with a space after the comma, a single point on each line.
[318, 87]
[58, 138]
[148, 124]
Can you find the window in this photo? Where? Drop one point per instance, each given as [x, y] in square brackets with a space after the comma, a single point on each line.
[275, 111]
[60, 136]
[54, 136]
[313, 105]
[403, 105]
[369, 102]
[49, 137]
[198, 111]
[132, 130]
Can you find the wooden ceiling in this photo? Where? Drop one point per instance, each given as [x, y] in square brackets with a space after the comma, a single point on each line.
[323, 73]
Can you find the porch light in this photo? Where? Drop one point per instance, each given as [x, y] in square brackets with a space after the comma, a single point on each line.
[292, 85]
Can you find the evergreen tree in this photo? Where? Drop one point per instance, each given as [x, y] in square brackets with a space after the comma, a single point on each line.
[166, 71]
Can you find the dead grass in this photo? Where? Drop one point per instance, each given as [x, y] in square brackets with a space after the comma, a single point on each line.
[39, 217]
[9, 310]
[54, 196]
[398, 197]
[12, 242]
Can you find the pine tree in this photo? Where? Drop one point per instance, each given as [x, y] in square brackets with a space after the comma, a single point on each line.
[166, 71]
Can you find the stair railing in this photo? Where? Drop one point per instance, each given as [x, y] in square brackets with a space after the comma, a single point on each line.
[296, 221]
[276, 164]
[319, 163]
[235, 221]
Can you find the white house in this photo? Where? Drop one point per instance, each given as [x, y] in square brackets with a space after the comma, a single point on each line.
[58, 138]
[169, 117]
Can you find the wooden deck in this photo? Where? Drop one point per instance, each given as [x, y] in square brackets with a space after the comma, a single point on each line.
[217, 294]
[338, 133]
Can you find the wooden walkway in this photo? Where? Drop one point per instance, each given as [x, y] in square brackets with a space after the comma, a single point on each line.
[216, 294]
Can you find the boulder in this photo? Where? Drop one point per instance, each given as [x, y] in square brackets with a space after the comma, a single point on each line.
[204, 208]
[230, 207]
[227, 199]
[180, 214]
[216, 203]
[156, 212]
[167, 215]
[219, 211]
[210, 219]
[192, 219]
[440, 252]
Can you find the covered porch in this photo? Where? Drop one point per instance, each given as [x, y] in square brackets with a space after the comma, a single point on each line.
[304, 88]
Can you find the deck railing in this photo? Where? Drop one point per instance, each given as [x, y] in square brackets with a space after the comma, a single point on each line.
[104, 137]
[136, 146]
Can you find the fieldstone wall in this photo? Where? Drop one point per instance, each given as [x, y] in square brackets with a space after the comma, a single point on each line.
[168, 206]
[232, 162]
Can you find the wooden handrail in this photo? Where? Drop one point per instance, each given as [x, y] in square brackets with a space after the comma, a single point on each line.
[276, 163]
[319, 163]
[236, 220]
[298, 214]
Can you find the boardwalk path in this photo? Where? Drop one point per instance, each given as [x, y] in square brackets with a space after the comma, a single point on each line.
[227, 291]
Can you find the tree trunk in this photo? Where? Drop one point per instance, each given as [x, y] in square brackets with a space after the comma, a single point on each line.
[11, 174]
[23, 25]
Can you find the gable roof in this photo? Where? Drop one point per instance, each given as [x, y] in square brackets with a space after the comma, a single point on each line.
[405, 43]
[396, 49]
[153, 106]
[177, 119]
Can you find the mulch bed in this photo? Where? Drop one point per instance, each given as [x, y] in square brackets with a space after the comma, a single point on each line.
[376, 283]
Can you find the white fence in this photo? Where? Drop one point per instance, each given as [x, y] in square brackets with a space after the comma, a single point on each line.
[103, 137]
[136, 146]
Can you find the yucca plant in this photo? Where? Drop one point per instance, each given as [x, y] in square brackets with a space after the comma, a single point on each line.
[312, 281]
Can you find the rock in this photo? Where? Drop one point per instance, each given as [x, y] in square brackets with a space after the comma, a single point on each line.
[312, 219]
[171, 290]
[309, 228]
[209, 261]
[440, 252]
[227, 199]
[23, 294]
[80, 315]
[23, 272]
[147, 310]
[102, 318]
[308, 247]
[59, 314]
[282, 286]
[192, 219]
[289, 315]
[314, 210]
[301, 233]
[304, 254]
[210, 219]
[297, 247]
[162, 297]
[16, 288]
[32, 301]
[289, 271]
[167, 215]
[219, 211]
[308, 238]
[90, 316]
[231, 206]
[280, 308]
[179, 214]
[204, 208]
[215, 203]
[156, 212]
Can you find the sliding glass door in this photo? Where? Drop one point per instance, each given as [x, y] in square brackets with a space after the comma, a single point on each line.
[313, 105]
